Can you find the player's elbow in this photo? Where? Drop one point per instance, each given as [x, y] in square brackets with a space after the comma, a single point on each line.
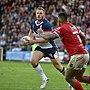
[83, 40]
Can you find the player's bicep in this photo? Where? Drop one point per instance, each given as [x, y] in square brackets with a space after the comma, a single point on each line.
[42, 40]
[50, 36]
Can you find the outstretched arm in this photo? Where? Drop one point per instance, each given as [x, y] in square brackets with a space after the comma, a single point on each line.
[33, 41]
[46, 37]
[50, 36]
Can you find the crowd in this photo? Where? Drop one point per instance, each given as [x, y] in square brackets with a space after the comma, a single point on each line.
[16, 15]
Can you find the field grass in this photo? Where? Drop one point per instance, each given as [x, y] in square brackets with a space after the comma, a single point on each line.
[21, 76]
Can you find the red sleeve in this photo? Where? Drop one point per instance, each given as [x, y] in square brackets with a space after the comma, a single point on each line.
[59, 31]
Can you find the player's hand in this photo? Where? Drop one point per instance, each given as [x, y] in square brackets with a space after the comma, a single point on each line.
[29, 42]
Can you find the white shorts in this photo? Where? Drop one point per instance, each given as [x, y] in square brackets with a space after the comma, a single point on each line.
[78, 62]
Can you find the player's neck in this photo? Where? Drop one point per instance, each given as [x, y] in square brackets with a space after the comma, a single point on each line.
[39, 21]
[63, 22]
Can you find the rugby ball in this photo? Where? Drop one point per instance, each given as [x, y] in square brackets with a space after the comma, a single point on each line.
[25, 38]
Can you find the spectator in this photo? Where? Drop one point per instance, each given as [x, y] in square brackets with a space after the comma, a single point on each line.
[15, 16]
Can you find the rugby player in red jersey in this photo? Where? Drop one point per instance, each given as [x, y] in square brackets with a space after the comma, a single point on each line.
[74, 42]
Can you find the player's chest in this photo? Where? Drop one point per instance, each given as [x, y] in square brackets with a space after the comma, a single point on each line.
[35, 27]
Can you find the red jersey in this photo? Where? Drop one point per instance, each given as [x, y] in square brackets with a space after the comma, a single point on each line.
[70, 38]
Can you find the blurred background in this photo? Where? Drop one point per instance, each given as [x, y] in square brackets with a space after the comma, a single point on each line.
[16, 15]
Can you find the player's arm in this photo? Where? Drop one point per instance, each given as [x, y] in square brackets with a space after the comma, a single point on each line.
[46, 37]
[82, 36]
[33, 41]
[50, 36]
[31, 33]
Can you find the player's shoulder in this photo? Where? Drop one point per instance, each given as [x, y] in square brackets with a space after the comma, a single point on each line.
[33, 21]
[47, 25]
[66, 25]
[58, 28]
[46, 21]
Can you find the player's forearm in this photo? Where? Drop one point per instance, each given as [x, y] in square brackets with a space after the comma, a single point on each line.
[84, 41]
[31, 34]
[39, 41]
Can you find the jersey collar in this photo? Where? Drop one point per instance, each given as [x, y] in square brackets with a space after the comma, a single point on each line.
[37, 23]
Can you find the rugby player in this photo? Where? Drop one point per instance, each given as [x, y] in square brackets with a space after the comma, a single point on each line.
[74, 42]
[46, 49]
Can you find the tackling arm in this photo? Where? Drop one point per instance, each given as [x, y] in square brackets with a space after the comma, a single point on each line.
[46, 37]
[50, 36]
[33, 41]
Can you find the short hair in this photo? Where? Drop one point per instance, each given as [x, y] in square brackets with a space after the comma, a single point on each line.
[63, 16]
[40, 8]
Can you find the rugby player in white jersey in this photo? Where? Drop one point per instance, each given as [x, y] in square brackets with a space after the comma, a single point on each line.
[46, 49]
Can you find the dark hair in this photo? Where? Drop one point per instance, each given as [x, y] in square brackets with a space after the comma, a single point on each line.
[63, 16]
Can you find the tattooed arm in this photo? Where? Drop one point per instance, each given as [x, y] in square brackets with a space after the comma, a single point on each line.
[45, 38]
[50, 36]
